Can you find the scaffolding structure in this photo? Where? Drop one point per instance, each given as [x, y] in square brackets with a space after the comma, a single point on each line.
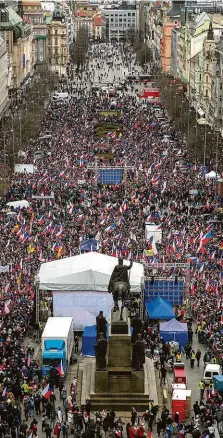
[97, 168]
[170, 281]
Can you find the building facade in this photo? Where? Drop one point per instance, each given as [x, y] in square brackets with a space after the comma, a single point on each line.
[3, 77]
[19, 39]
[218, 84]
[57, 41]
[32, 12]
[118, 20]
[97, 33]
[82, 18]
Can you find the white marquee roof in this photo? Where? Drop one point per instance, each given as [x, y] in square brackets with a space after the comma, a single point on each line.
[85, 272]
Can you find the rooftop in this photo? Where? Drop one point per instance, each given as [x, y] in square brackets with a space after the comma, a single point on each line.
[31, 3]
[83, 14]
[98, 20]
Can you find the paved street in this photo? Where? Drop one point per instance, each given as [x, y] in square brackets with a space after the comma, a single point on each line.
[194, 376]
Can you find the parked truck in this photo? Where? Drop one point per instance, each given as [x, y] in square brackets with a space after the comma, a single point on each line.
[57, 343]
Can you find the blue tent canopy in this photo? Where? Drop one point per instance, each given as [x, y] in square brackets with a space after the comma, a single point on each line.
[159, 309]
[218, 383]
[89, 245]
[89, 339]
[174, 330]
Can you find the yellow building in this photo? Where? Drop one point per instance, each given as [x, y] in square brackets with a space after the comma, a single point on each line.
[19, 37]
[31, 11]
[57, 41]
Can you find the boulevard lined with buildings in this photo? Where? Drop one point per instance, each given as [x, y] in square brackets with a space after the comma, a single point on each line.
[185, 38]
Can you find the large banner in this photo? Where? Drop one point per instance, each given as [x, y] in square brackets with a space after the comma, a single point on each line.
[82, 306]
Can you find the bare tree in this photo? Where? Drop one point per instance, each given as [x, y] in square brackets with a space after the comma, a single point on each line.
[144, 55]
[131, 35]
[184, 118]
[24, 121]
[80, 46]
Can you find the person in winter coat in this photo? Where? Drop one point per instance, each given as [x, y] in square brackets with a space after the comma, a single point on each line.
[198, 356]
[48, 431]
[64, 394]
[60, 415]
[57, 429]
[70, 418]
[134, 416]
[158, 426]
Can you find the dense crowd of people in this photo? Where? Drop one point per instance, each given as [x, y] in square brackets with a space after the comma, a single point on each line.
[68, 204]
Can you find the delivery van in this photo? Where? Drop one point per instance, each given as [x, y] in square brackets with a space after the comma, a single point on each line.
[212, 370]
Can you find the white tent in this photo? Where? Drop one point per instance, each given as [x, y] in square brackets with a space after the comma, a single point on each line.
[18, 204]
[80, 285]
[85, 272]
[153, 230]
[211, 175]
[24, 168]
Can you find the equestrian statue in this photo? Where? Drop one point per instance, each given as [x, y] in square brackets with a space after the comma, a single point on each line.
[119, 285]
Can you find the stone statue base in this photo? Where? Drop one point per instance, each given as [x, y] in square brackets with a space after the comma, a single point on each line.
[119, 327]
[119, 386]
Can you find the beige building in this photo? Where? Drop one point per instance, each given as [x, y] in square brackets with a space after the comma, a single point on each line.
[83, 18]
[19, 38]
[97, 27]
[3, 77]
[57, 41]
[31, 11]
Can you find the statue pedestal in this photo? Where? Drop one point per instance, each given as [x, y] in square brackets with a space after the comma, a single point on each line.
[119, 342]
[101, 381]
[119, 327]
[119, 387]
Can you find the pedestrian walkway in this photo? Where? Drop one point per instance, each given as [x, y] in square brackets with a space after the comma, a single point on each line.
[194, 375]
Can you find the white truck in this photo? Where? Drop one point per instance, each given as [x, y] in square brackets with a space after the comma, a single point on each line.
[57, 343]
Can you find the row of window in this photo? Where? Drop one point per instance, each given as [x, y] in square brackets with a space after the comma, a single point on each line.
[55, 32]
[52, 61]
[130, 14]
[121, 27]
[124, 19]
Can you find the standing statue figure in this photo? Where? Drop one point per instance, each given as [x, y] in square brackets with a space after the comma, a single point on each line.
[101, 324]
[119, 284]
[100, 352]
[137, 326]
[138, 354]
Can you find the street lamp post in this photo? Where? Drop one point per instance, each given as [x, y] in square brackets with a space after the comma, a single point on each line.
[13, 146]
[205, 143]
[4, 157]
[188, 126]
[216, 162]
[20, 132]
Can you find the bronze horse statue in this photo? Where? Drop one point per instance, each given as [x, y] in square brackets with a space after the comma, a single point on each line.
[120, 293]
[119, 284]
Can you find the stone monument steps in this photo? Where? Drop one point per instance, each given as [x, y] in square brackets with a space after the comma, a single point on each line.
[119, 402]
[118, 386]
[116, 395]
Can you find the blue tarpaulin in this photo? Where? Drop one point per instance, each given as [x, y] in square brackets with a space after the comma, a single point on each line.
[174, 330]
[110, 176]
[88, 340]
[89, 245]
[218, 383]
[159, 309]
[168, 290]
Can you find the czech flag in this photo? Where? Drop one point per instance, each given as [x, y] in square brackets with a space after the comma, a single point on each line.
[205, 239]
[28, 360]
[60, 368]
[5, 391]
[47, 391]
